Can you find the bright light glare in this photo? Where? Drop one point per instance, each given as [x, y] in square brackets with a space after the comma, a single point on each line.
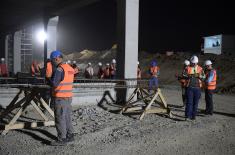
[41, 36]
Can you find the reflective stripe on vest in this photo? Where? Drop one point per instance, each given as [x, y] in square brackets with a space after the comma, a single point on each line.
[212, 85]
[65, 88]
[194, 70]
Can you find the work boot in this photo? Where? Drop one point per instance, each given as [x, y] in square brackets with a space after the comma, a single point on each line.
[61, 142]
[70, 138]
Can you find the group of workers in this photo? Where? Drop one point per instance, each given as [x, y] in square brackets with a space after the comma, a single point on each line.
[193, 79]
[107, 72]
[61, 76]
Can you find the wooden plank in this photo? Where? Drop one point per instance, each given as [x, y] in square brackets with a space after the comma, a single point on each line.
[45, 105]
[128, 101]
[10, 109]
[133, 109]
[13, 120]
[132, 95]
[39, 111]
[148, 106]
[29, 125]
[156, 110]
[130, 104]
[162, 99]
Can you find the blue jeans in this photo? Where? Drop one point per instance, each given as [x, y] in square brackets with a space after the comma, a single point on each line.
[153, 83]
[193, 96]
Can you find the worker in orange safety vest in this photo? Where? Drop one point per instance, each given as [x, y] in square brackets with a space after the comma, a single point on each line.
[35, 69]
[194, 74]
[154, 72]
[107, 71]
[210, 86]
[62, 83]
[183, 82]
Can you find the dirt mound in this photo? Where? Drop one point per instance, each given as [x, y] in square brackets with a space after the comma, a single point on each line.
[169, 64]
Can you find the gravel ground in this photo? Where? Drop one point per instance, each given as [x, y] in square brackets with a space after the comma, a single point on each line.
[103, 132]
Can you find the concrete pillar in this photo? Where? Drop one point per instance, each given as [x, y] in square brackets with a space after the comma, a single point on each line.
[52, 35]
[6, 48]
[127, 55]
[17, 52]
[9, 52]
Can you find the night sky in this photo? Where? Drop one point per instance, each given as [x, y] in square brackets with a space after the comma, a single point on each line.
[164, 25]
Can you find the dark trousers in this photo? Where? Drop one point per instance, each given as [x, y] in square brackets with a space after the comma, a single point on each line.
[184, 97]
[193, 96]
[63, 121]
[153, 83]
[209, 101]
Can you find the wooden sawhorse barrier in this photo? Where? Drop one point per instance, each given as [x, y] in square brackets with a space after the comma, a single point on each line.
[30, 96]
[149, 100]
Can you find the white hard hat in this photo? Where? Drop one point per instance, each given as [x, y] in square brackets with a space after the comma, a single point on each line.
[194, 59]
[113, 61]
[186, 62]
[99, 64]
[208, 62]
[69, 61]
[107, 64]
[138, 62]
[74, 62]
[2, 59]
[89, 63]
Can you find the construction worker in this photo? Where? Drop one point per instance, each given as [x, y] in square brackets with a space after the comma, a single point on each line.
[113, 69]
[138, 71]
[69, 62]
[35, 69]
[210, 86]
[89, 72]
[3, 68]
[50, 68]
[74, 65]
[100, 73]
[62, 83]
[107, 71]
[194, 74]
[183, 81]
[76, 68]
[154, 72]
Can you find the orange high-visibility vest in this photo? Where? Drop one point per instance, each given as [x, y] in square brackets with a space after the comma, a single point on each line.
[182, 80]
[107, 72]
[194, 70]
[154, 70]
[211, 85]
[65, 88]
[49, 70]
[34, 68]
[3, 70]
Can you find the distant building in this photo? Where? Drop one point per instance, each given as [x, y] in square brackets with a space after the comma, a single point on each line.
[219, 44]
